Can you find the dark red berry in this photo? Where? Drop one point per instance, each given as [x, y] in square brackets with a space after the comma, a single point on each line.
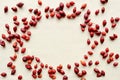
[20, 4]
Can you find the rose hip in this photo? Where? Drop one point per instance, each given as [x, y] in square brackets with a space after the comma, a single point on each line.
[103, 1]
[2, 43]
[117, 19]
[20, 4]
[74, 10]
[47, 16]
[76, 64]
[90, 63]
[35, 11]
[98, 75]
[65, 77]
[23, 50]
[90, 52]
[106, 30]
[96, 42]
[61, 6]
[96, 70]
[30, 10]
[83, 78]
[88, 41]
[97, 12]
[7, 26]
[104, 22]
[68, 66]
[46, 65]
[107, 50]
[76, 70]
[68, 5]
[80, 75]
[116, 56]
[47, 9]
[14, 9]
[13, 71]
[103, 9]
[58, 16]
[113, 25]
[13, 67]
[20, 77]
[83, 63]
[3, 74]
[83, 6]
[28, 66]
[37, 59]
[86, 16]
[85, 57]
[102, 73]
[5, 9]
[112, 20]
[42, 65]
[15, 28]
[3, 36]
[115, 64]
[72, 3]
[112, 38]
[115, 36]
[17, 23]
[39, 2]
[97, 62]
[93, 46]
[102, 39]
